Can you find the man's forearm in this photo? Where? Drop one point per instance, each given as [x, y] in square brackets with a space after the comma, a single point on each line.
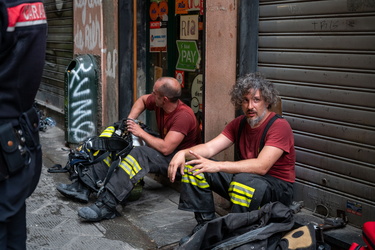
[138, 107]
[200, 149]
[155, 143]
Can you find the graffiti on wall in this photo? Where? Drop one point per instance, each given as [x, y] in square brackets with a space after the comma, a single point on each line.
[112, 61]
[87, 30]
[82, 108]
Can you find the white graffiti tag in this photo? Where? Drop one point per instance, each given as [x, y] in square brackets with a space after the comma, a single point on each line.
[81, 106]
[112, 61]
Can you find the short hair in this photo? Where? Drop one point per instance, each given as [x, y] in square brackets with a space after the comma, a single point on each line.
[253, 81]
[170, 88]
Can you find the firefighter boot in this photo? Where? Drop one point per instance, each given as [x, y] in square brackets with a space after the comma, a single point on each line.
[202, 219]
[76, 191]
[103, 209]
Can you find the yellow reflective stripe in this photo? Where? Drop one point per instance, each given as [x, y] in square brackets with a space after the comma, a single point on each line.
[239, 201]
[107, 132]
[196, 180]
[241, 189]
[130, 166]
[107, 161]
[241, 194]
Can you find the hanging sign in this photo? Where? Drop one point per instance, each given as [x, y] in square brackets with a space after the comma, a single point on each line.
[194, 5]
[158, 37]
[197, 94]
[189, 27]
[184, 6]
[181, 7]
[188, 55]
[180, 77]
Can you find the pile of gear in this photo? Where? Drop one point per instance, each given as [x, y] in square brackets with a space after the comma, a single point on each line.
[112, 145]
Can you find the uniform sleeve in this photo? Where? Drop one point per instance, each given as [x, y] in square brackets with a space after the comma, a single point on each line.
[3, 22]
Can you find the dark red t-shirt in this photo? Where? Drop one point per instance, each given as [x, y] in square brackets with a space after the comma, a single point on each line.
[279, 135]
[182, 120]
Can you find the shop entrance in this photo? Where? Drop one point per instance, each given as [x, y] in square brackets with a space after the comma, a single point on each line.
[175, 48]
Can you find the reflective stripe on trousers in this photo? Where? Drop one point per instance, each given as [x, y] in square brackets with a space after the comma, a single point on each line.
[240, 194]
[140, 161]
[198, 180]
[130, 165]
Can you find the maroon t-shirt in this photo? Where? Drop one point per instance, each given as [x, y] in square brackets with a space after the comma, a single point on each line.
[279, 135]
[182, 120]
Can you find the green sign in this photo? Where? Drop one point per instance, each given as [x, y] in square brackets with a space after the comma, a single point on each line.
[188, 55]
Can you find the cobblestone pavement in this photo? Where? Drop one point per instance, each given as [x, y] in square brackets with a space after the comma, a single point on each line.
[152, 222]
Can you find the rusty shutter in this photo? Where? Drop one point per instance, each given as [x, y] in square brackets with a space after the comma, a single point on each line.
[321, 56]
[59, 53]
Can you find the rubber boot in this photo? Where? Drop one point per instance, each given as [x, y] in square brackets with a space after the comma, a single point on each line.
[76, 191]
[103, 209]
[202, 219]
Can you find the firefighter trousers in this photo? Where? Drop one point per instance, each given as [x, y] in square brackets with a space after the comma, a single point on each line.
[131, 169]
[245, 191]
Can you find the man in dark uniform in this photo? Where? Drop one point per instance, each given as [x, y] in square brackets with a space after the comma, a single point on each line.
[23, 33]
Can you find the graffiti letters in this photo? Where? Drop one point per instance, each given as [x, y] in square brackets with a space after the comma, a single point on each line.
[81, 105]
[334, 24]
[112, 60]
[87, 31]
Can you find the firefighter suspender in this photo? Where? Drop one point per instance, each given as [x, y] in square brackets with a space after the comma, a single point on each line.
[261, 144]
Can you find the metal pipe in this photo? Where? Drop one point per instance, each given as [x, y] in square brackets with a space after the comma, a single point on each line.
[135, 59]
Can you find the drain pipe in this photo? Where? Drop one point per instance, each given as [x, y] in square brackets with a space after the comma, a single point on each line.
[135, 59]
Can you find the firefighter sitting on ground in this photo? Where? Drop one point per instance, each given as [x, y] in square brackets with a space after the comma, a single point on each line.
[261, 175]
[178, 129]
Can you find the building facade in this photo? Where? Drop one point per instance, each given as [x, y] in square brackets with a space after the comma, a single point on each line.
[319, 54]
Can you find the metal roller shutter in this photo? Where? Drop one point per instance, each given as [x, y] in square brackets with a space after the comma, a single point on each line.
[321, 57]
[59, 53]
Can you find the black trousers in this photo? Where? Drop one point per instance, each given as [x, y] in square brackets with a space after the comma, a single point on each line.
[246, 192]
[13, 231]
[140, 161]
[13, 193]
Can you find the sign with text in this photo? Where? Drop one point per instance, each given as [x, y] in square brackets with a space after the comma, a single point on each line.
[158, 40]
[189, 27]
[188, 55]
[197, 94]
[184, 6]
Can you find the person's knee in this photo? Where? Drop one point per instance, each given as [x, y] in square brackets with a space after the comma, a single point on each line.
[249, 192]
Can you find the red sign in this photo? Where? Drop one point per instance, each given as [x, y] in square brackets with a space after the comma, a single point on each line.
[155, 25]
[180, 76]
